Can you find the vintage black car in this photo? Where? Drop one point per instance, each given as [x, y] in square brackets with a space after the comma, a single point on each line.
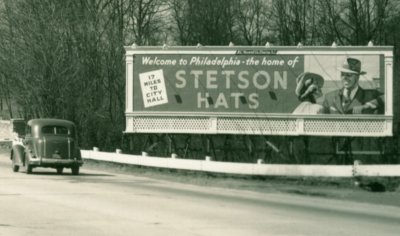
[47, 143]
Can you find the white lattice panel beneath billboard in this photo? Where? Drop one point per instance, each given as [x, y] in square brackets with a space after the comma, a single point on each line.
[169, 125]
[352, 127]
[257, 126]
[260, 126]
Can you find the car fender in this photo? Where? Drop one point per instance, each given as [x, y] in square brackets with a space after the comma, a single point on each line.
[17, 151]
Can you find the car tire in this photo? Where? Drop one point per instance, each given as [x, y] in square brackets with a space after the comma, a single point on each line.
[29, 169]
[15, 167]
[60, 170]
[75, 170]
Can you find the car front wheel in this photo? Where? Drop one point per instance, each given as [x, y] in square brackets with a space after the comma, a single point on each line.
[15, 167]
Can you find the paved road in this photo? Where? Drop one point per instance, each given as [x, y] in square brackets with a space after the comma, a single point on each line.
[104, 203]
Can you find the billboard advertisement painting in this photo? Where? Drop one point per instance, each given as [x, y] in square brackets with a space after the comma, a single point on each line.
[298, 84]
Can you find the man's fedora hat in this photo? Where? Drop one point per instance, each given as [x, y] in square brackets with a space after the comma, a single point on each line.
[352, 65]
[307, 83]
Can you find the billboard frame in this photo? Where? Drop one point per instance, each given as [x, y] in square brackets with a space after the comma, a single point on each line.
[260, 124]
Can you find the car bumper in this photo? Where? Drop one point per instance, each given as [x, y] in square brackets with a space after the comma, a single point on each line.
[55, 162]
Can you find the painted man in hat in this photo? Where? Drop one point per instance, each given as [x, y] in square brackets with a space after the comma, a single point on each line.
[352, 99]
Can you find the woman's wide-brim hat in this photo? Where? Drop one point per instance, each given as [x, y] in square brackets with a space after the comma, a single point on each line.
[306, 82]
[352, 65]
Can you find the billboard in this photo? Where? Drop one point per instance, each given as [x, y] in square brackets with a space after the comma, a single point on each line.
[253, 82]
[241, 83]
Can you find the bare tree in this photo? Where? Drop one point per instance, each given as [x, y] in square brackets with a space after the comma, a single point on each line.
[203, 21]
[354, 22]
[291, 20]
[253, 21]
[66, 58]
[179, 14]
[144, 20]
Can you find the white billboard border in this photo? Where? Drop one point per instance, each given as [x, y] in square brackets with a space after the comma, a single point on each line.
[155, 119]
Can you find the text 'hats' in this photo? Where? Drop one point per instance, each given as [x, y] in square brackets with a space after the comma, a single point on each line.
[352, 65]
[306, 82]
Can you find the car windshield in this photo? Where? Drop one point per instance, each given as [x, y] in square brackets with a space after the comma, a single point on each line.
[55, 130]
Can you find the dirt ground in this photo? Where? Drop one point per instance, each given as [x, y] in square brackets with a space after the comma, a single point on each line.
[384, 191]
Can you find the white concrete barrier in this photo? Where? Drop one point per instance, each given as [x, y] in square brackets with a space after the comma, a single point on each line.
[258, 168]
[377, 170]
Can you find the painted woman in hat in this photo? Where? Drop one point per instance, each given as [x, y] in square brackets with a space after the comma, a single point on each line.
[352, 99]
[308, 89]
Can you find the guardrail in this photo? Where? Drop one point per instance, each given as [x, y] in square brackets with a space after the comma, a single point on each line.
[259, 168]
